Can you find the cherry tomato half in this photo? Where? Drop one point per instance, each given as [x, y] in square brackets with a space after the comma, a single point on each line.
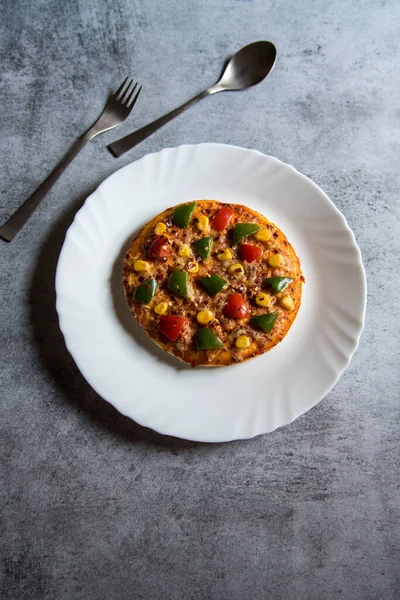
[236, 307]
[160, 248]
[171, 326]
[222, 218]
[249, 253]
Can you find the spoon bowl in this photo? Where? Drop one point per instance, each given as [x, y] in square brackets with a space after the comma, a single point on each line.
[247, 67]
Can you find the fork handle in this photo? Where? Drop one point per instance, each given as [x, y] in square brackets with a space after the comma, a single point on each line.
[121, 146]
[22, 214]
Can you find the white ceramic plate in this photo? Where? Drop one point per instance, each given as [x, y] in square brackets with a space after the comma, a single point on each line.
[156, 390]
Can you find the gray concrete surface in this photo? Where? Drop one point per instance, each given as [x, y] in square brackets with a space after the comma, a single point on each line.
[95, 507]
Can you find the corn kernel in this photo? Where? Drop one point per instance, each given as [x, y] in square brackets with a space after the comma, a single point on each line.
[161, 308]
[160, 228]
[140, 266]
[225, 255]
[184, 251]
[287, 302]
[131, 279]
[264, 235]
[204, 316]
[242, 342]
[236, 269]
[263, 299]
[193, 268]
[275, 260]
[202, 223]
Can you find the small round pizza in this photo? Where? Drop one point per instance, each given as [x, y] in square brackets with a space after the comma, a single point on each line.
[214, 284]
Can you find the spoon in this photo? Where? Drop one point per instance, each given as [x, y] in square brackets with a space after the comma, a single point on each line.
[246, 68]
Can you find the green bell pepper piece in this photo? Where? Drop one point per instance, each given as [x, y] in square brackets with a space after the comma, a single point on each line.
[213, 284]
[182, 214]
[266, 321]
[178, 282]
[203, 246]
[243, 230]
[145, 291]
[206, 339]
[278, 284]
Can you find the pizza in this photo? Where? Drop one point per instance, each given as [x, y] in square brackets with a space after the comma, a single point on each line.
[212, 283]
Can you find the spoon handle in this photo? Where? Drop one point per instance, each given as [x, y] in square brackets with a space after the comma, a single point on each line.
[121, 146]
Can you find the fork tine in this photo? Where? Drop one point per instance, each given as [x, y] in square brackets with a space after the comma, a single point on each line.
[125, 93]
[121, 87]
[132, 104]
[130, 96]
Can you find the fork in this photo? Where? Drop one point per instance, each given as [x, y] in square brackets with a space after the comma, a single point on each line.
[115, 112]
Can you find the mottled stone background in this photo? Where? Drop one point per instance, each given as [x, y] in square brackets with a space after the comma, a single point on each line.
[95, 507]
